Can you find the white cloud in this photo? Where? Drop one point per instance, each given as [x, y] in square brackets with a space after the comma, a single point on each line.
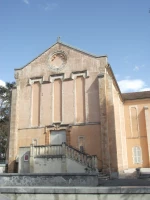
[26, 1]
[145, 89]
[136, 68]
[2, 83]
[131, 85]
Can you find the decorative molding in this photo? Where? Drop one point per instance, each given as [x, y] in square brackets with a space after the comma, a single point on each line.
[36, 79]
[85, 74]
[61, 125]
[62, 56]
[52, 78]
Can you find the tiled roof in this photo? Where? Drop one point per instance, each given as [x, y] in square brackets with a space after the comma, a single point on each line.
[136, 95]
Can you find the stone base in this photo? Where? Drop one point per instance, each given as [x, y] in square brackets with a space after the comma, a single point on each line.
[49, 179]
[75, 193]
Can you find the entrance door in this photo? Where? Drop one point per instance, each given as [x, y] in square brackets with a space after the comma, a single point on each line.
[57, 137]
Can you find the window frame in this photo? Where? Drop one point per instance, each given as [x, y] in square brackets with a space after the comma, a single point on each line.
[137, 155]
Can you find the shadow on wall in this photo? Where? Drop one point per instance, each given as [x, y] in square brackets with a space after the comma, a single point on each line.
[106, 116]
[13, 167]
[108, 148]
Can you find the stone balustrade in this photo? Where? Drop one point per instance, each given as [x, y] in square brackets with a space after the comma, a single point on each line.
[64, 150]
[51, 150]
[81, 157]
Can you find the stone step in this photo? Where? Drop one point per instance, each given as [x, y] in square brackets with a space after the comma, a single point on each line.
[144, 176]
[102, 176]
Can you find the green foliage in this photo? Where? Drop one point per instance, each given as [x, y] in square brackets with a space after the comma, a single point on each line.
[5, 102]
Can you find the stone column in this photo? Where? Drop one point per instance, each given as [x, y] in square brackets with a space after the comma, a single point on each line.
[147, 121]
[103, 120]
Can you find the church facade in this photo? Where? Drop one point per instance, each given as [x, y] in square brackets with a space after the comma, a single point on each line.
[69, 99]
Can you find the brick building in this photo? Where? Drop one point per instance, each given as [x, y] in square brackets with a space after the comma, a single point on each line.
[67, 100]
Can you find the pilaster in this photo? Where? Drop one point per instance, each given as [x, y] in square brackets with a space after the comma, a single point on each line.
[147, 121]
[103, 120]
[31, 158]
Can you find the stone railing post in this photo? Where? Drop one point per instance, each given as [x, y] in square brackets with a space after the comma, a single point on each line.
[95, 163]
[63, 149]
[64, 164]
[31, 158]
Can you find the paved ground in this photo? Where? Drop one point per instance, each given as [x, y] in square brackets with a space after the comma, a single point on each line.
[125, 182]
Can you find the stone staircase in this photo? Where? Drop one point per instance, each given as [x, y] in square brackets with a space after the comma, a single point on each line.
[143, 173]
[65, 151]
[103, 177]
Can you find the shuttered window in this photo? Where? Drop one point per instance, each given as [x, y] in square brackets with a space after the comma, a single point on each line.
[137, 155]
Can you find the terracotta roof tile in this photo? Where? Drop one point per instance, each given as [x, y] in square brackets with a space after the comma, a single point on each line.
[136, 95]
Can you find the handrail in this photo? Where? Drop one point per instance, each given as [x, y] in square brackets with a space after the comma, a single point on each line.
[77, 150]
[48, 145]
[64, 150]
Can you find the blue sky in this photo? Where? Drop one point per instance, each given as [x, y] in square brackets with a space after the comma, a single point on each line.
[118, 28]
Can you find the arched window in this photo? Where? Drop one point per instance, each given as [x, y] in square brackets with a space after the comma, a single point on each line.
[137, 155]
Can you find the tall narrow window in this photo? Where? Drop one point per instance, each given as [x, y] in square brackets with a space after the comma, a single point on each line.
[80, 99]
[81, 143]
[36, 104]
[57, 100]
[134, 122]
[137, 155]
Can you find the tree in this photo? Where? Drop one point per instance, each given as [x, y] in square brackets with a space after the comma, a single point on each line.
[5, 103]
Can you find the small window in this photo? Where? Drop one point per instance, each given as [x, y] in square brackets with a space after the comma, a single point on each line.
[26, 157]
[81, 143]
[81, 148]
[137, 155]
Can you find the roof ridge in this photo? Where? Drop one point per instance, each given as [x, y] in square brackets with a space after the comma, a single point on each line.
[136, 92]
[72, 47]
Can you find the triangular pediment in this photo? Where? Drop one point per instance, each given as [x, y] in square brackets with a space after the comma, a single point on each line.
[58, 46]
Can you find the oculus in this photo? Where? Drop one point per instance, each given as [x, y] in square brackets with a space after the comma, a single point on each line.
[57, 61]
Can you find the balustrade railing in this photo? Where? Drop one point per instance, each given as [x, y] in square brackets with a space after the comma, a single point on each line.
[51, 150]
[64, 150]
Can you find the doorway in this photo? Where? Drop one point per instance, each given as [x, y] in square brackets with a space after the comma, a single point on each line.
[57, 137]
